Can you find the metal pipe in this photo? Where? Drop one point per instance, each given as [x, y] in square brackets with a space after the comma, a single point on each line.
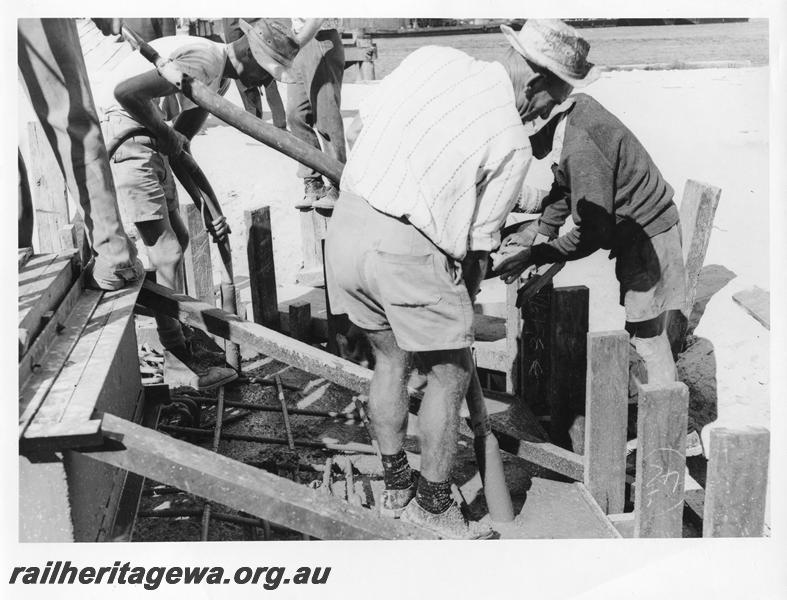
[349, 447]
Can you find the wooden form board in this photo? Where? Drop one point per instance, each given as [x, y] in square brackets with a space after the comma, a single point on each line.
[568, 360]
[197, 264]
[756, 302]
[737, 482]
[43, 282]
[606, 409]
[697, 210]
[221, 479]
[661, 460]
[100, 370]
[262, 274]
[48, 190]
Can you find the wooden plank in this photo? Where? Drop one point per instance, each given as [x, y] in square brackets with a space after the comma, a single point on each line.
[55, 437]
[757, 302]
[606, 407]
[737, 482]
[337, 323]
[697, 210]
[262, 274]
[661, 460]
[568, 364]
[48, 189]
[42, 285]
[33, 393]
[197, 264]
[558, 510]
[513, 336]
[300, 321]
[313, 230]
[242, 487]
[624, 523]
[102, 362]
[535, 368]
[41, 344]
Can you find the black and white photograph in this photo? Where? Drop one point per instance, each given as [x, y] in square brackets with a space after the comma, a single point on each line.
[418, 306]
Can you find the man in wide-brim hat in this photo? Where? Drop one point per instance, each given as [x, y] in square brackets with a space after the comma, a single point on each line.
[138, 95]
[616, 195]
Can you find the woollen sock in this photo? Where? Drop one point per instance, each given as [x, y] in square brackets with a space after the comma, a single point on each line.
[396, 471]
[433, 496]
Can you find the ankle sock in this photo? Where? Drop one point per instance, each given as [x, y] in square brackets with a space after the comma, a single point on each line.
[433, 496]
[396, 471]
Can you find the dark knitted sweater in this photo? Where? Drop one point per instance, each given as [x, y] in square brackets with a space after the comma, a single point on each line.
[609, 185]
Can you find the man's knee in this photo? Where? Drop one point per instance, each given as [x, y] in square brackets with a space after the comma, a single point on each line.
[450, 369]
[164, 248]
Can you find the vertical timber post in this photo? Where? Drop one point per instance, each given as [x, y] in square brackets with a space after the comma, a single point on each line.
[606, 407]
[568, 364]
[48, 190]
[197, 265]
[300, 321]
[737, 482]
[262, 272]
[313, 229]
[661, 460]
[336, 323]
[513, 336]
[534, 349]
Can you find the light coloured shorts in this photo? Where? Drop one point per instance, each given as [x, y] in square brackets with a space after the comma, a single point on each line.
[385, 274]
[143, 179]
[652, 275]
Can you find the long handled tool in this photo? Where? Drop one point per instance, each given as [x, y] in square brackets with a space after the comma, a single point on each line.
[487, 454]
[200, 94]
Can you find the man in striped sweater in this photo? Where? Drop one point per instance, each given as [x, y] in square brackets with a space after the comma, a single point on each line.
[618, 200]
[438, 160]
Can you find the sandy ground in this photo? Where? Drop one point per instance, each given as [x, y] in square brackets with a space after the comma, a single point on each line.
[709, 125]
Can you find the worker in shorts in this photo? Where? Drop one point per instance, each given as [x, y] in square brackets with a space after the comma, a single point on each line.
[618, 200]
[146, 188]
[438, 160]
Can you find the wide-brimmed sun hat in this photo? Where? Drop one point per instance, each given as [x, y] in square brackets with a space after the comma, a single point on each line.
[273, 46]
[552, 44]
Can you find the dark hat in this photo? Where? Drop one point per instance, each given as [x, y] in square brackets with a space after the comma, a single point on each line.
[273, 46]
[552, 44]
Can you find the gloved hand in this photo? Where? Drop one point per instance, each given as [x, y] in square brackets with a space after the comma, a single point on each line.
[524, 237]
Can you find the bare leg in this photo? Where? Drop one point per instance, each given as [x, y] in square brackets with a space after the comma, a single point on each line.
[657, 354]
[166, 253]
[448, 377]
[388, 398]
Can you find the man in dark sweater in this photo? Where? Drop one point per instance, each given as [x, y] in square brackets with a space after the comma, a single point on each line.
[619, 201]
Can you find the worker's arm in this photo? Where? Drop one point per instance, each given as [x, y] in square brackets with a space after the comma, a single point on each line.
[190, 121]
[592, 193]
[353, 131]
[308, 31]
[136, 95]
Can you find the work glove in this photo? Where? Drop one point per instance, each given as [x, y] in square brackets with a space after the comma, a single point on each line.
[173, 143]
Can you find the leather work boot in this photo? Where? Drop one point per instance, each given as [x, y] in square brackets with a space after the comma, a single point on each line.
[450, 524]
[328, 201]
[313, 190]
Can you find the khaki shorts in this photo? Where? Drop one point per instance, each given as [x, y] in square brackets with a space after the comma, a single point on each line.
[144, 182]
[385, 274]
[652, 275]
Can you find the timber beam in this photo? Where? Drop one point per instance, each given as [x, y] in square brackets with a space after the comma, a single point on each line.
[217, 478]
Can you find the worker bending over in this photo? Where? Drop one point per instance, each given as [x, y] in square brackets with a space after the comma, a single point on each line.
[619, 201]
[138, 95]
